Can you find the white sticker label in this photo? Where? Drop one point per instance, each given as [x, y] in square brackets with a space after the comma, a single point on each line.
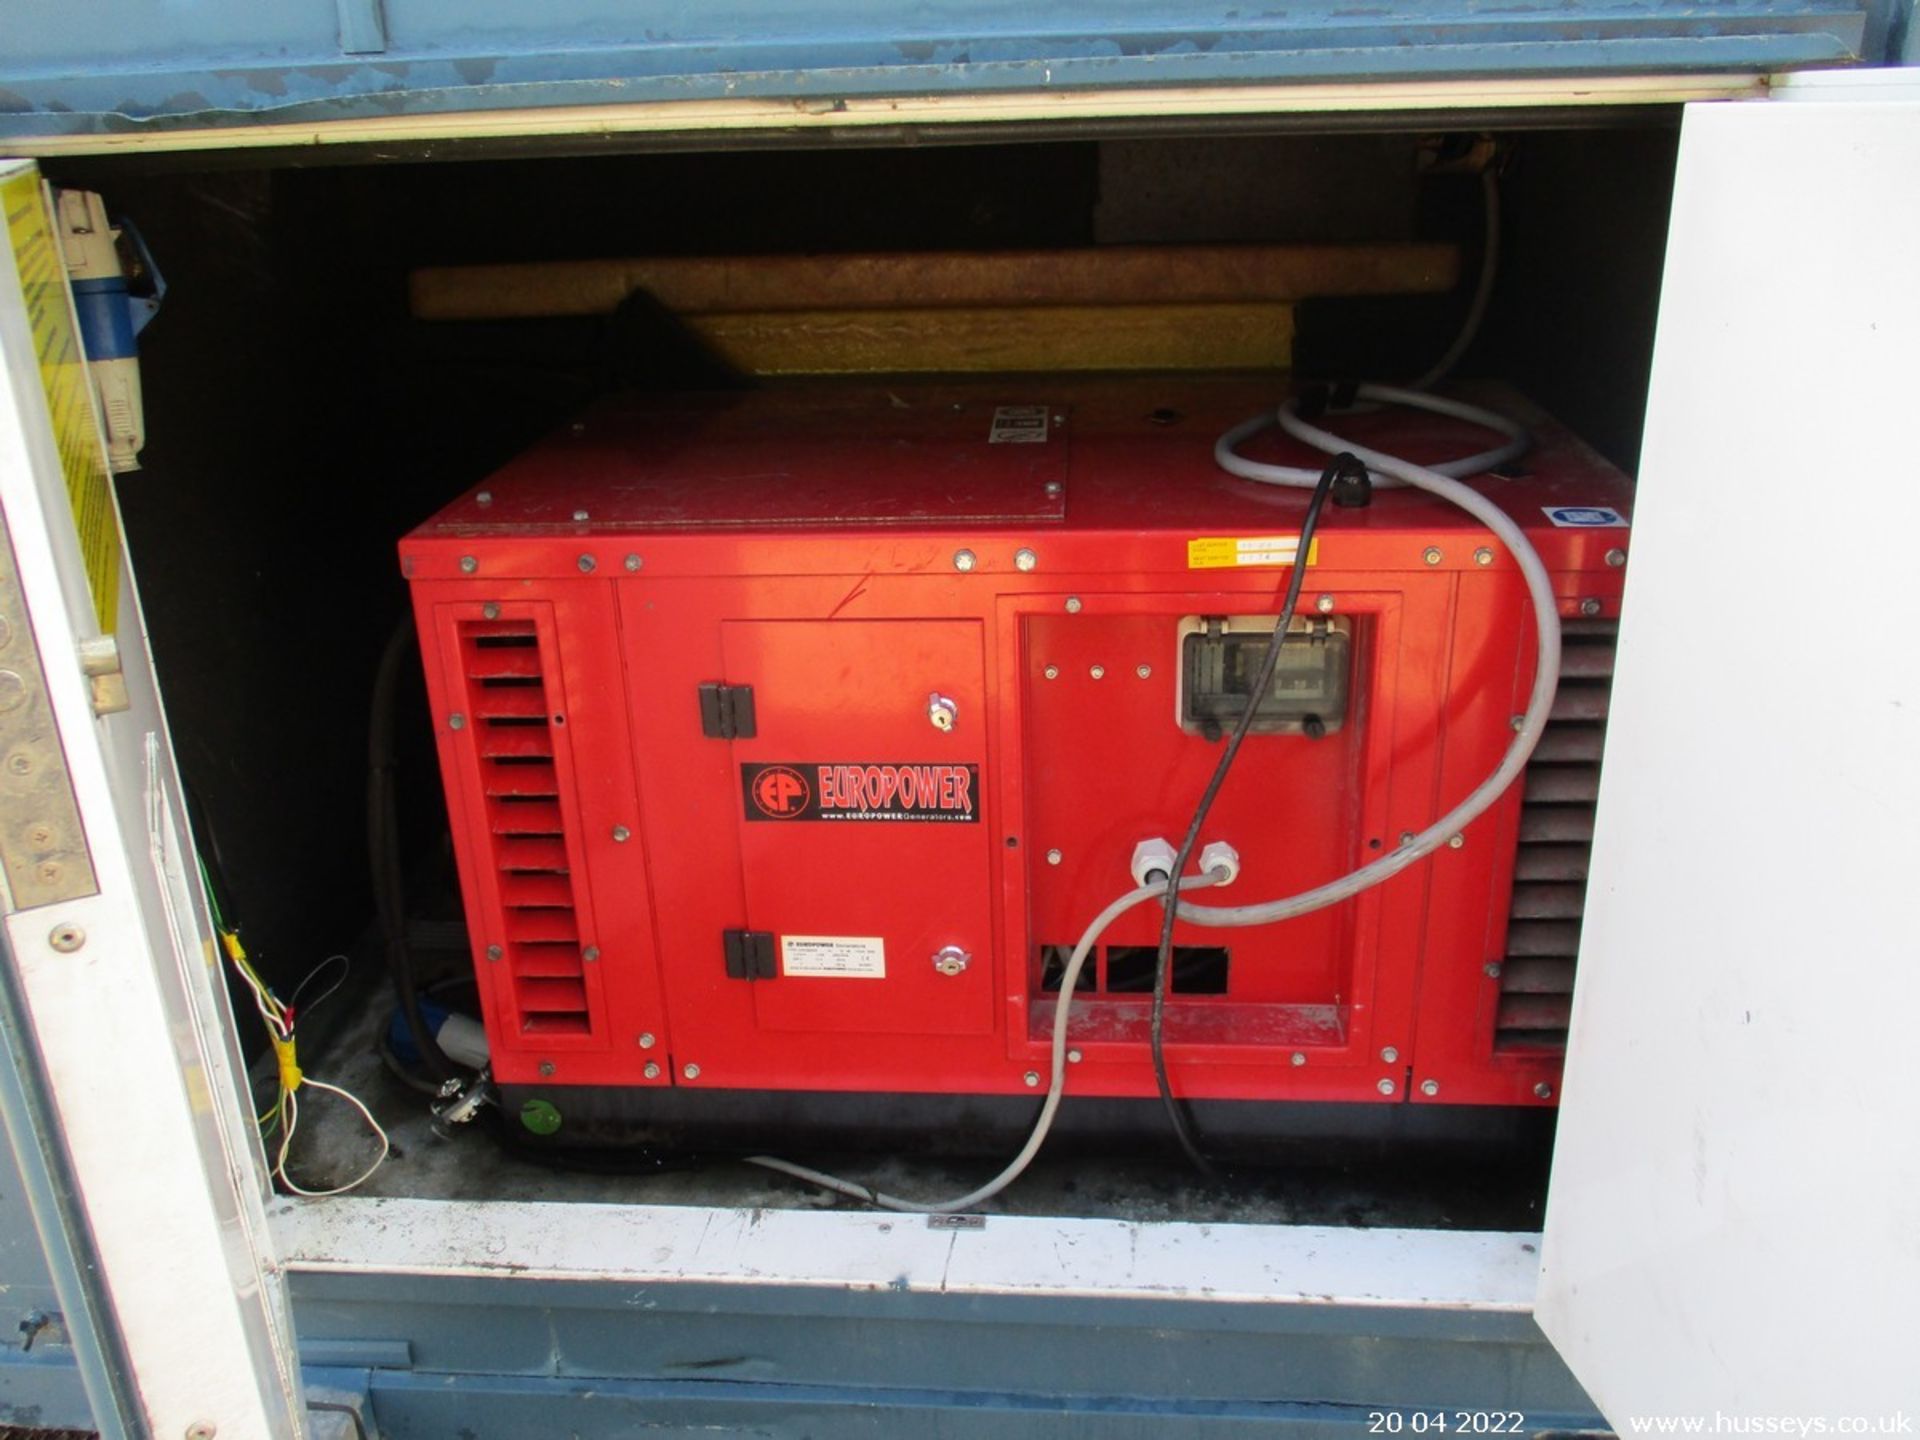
[1018, 425]
[837, 957]
[1584, 517]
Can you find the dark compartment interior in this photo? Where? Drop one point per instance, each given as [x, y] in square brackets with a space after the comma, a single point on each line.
[300, 420]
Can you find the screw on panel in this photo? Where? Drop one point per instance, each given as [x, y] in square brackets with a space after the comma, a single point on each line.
[1518, 722]
[1299, 1057]
[1024, 559]
[1456, 841]
[1492, 968]
[202, 1430]
[1429, 1087]
[20, 764]
[485, 497]
[1543, 1091]
[1032, 1077]
[1052, 672]
[633, 562]
[647, 1041]
[1406, 837]
[546, 1067]
[691, 1071]
[1053, 857]
[1098, 672]
[1143, 671]
[1388, 1054]
[490, 611]
[494, 952]
[1324, 604]
[963, 560]
[67, 938]
[1483, 556]
[590, 954]
[1431, 555]
[1073, 604]
[580, 515]
[1616, 558]
[1589, 607]
[468, 564]
[1053, 487]
[621, 834]
[652, 1070]
[1073, 1057]
[585, 562]
[1385, 1087]
[456, 721]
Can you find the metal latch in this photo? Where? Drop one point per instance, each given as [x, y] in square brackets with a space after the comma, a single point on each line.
[726, 712]
[749, 954]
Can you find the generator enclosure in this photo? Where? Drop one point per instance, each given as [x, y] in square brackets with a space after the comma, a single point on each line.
[792, 738]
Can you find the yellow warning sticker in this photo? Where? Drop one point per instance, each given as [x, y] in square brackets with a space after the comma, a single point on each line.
[69, 386]
[1224, 552]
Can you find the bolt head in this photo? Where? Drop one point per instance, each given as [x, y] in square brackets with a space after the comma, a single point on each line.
[1492, 969]
[1073, 604]
[1032, 1078]
[485, 497]
[1073, 1057]
[964, 560]
[1386, 1087]
[546, 1067]
[21, 764]
[1388, 1054]
[67, 938]
[456, 721]
[586, 563]
[1053, 857]
[647, 1041]
[202, 1430]
[1324, 604]
[1431, 555]
[1098, 672]
[1454, 842]
[468, 564]
[633, 562]
[1052, 672]
[1483, 556]
[1024, 559]
[1143, 671]
[1429, 1087]
[690, 1070]
[1299, 1057]
[494, 952]
[579, 515]
[590, 954]
[652, 1070]
[1615, 558]
[1543, 1091]
[1053, 487]
[1590, 607]
[490, 611]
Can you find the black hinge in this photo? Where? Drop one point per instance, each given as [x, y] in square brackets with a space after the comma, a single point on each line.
[726, 712]
[749, 954]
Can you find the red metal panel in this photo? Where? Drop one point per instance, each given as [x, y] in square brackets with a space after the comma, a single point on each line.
[757, 542]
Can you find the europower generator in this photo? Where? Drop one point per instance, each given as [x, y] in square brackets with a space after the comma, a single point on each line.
[819, 741]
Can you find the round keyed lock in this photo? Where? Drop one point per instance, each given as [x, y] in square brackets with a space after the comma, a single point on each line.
[942, 713]
[951, 960]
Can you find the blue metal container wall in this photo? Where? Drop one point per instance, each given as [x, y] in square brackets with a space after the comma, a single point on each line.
[137, 64]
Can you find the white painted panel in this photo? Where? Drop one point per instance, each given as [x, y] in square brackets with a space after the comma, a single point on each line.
[1734, 1221]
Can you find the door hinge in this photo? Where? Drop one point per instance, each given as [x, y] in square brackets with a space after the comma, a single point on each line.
[726, 712]
[749, 954]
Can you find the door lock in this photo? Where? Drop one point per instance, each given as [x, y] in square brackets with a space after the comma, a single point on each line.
[942, 713]
[951, 960]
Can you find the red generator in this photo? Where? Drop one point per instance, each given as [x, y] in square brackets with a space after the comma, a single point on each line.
[792, 738]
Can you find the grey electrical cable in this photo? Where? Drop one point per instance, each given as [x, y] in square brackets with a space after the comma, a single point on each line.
[1482, 290]
[1436, 480]
[1055, 1089]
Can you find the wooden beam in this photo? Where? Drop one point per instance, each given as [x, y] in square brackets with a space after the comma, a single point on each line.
[1106, 275]
[1026, 338]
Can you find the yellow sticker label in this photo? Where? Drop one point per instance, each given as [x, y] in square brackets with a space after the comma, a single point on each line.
[1224, 552]
[69, 386]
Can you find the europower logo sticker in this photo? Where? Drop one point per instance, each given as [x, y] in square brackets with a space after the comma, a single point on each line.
[1584, 517]
[843, 791]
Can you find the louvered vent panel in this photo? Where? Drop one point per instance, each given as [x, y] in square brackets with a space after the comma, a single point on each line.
[512, 714]
[1556, 841]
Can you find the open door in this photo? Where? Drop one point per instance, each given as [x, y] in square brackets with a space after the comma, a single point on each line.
[1733, 1228]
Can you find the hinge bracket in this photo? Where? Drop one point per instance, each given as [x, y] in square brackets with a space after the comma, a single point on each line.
[726, 712]
[749, 954]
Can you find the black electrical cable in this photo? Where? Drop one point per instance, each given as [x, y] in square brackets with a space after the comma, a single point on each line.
[1342, 465]
[383, 849]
